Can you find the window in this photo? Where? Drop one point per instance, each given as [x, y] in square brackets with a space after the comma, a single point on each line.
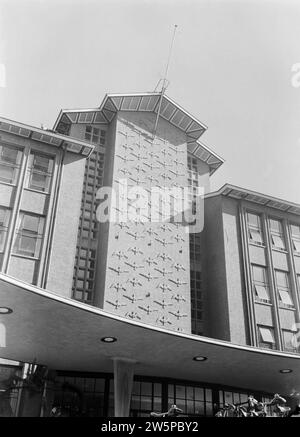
[40, 171]
[277, 236]
[4, 222]
[95, 135]
[295, 231]
[146, 397]
[260, 283]
[289, 340]
[255, 229]
[29, 235]
[10, 161]
[194, 401]
[283, 288]
[266, 337]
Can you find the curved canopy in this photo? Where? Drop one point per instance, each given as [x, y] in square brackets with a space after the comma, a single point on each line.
[65, 334]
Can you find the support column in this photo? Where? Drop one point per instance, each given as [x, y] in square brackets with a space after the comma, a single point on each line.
[123, 381]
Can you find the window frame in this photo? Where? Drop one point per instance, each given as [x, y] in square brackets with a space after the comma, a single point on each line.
[284, 289]
[277, 235]
[31, 171]
[262, 339]
[16, 166]
[37, 236]
[257, 284]
[255, 229]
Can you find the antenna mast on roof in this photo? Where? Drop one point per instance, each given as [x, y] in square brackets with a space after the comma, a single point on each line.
[165, 82]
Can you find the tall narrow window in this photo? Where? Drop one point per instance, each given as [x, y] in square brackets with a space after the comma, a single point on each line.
[255, 229]
[295, 230]
[40, 172]
[260, 283]
[266, 337]
[10, 162]
[4, 222]
[277, 235]
[283, 288]
[29, 235]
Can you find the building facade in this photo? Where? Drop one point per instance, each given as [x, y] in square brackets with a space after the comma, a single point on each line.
[253, 243]
[230, 286]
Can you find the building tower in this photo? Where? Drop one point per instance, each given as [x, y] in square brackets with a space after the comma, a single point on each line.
[145, 266]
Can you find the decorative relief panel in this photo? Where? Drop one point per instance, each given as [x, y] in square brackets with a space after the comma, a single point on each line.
[147, 277]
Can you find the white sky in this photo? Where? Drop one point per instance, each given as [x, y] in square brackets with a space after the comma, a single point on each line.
[231, 68]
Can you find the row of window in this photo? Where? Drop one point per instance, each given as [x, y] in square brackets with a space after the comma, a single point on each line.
[266, 337]
[95, 135]
[39, 169]
[278, 240]
[97, 397]
[262, 288]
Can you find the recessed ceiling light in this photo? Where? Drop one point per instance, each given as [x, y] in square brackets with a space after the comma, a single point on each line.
[285, 371]
[200, 358]
[5, 310]
[108, 339]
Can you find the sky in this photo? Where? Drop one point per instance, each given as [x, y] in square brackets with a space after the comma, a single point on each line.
[231, 67]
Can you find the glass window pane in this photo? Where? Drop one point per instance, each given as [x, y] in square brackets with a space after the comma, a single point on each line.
[296, 244]
[253, 220]
[146, 403]
[199, 394]
[199, 408]
[278, 241]
[7, 173]
[190, 407]
[146, 388]
[288, 337]
[39, 181]
[26, 245]
[156, 404]
[8, 154]
[295, 231]
[256, 236]
[275, 226]
[135, 402]
[208, 395]
[180, 403]
[41, 163]
[157, 389]
[136, 388]
[209, 409]
[30, 223]
[190, 392]
[285, 297]
[259, 273]
[180, 392]
[100, 384]
[266, 334]
[282, 279]
[262, 292]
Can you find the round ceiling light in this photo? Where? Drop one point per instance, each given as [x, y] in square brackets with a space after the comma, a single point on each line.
[108, 339]
[285, 371]
[5, 310]
[199, 358]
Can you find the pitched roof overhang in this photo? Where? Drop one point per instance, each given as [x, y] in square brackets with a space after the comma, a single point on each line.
[65, 334]
[147, 102]
[239, 193]
[46, 136]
